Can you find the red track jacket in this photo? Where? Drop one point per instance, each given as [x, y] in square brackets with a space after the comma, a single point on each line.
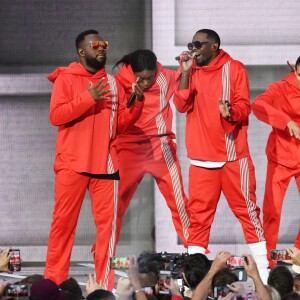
[156, 117]
[205, 127]
[279, 104]
[87, 128]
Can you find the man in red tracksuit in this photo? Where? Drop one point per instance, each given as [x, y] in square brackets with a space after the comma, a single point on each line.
[214, 93]
[88, 106]
[147, 146]
[279, 106]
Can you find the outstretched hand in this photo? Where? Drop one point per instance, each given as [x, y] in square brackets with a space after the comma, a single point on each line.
[92, 284]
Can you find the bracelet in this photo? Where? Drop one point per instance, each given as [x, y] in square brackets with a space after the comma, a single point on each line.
[185, 75]
[138, 291]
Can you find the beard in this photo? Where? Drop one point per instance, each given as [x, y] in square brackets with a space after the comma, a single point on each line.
[95, 63]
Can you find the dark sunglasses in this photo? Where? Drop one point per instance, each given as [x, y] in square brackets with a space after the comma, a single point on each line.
[97, 44]
[196, 44]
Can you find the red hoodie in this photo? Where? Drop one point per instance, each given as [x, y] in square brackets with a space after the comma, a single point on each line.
[156, 117]
[205, 127]
[87, 128]
[278, 105]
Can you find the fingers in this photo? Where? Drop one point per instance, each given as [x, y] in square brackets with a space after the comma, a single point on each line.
[99, 90]
[97, 84]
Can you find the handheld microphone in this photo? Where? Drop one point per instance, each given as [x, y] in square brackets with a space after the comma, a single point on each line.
[131, 99]
[184, 56]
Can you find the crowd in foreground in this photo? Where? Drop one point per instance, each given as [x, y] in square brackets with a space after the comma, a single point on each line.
[201, 279]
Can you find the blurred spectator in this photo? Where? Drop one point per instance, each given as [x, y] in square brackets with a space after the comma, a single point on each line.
[282, 280]
[71, 289]
[292, 296]
[46, 289]
[273, 292]
[195, 267]
[297, 283]
[101, 294]
[30, 279]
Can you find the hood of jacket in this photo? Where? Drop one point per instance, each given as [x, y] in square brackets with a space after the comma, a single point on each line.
[75, 68]
[127, 74]
[291, 79]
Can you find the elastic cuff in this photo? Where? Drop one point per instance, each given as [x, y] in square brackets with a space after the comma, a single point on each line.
[196, 249]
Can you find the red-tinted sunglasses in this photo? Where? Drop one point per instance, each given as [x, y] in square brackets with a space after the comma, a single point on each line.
[97, 44]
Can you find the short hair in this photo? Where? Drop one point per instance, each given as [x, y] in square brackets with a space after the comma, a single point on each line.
[100, 295]
[71, 289]
[211, 34]
[80, 37]
[139, 60]
[195, 267]
[224, 277]
[30, 279]
[150, 262]
[297, 62]
[281, 279]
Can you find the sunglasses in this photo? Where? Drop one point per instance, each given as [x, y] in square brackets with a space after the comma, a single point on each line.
[97, 44]
[196, 44]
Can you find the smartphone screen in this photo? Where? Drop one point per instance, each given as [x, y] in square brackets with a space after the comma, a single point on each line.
[235, 261]
[221, 291]
[164, 278]
[280, 255]
[17, 290]
[119, 263]
[15, 260]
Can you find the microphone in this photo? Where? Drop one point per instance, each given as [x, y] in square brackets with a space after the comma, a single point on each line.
[131, 99]
[184, 56]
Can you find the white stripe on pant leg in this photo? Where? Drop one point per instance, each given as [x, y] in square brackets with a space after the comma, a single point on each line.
[112, 240]
[244, 173]
[173, 171]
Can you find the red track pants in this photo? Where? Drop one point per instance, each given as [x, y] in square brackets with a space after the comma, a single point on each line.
[70, 188]
[156, 156]
[277, 181]
[237, 181]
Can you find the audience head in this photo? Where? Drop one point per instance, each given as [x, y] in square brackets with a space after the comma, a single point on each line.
[195, 267]
[46, 289]
[71, 289]
[224, 277]
[281, 279]
[292, 296]
[101, 295]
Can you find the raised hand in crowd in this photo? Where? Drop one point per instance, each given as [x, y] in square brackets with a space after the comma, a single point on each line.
[173, 287]
[202, 290]
[92, 285]
[2, 289]
[295, 255]
[123, 287]
[237, 287]
[4, 260]
[252, 271]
